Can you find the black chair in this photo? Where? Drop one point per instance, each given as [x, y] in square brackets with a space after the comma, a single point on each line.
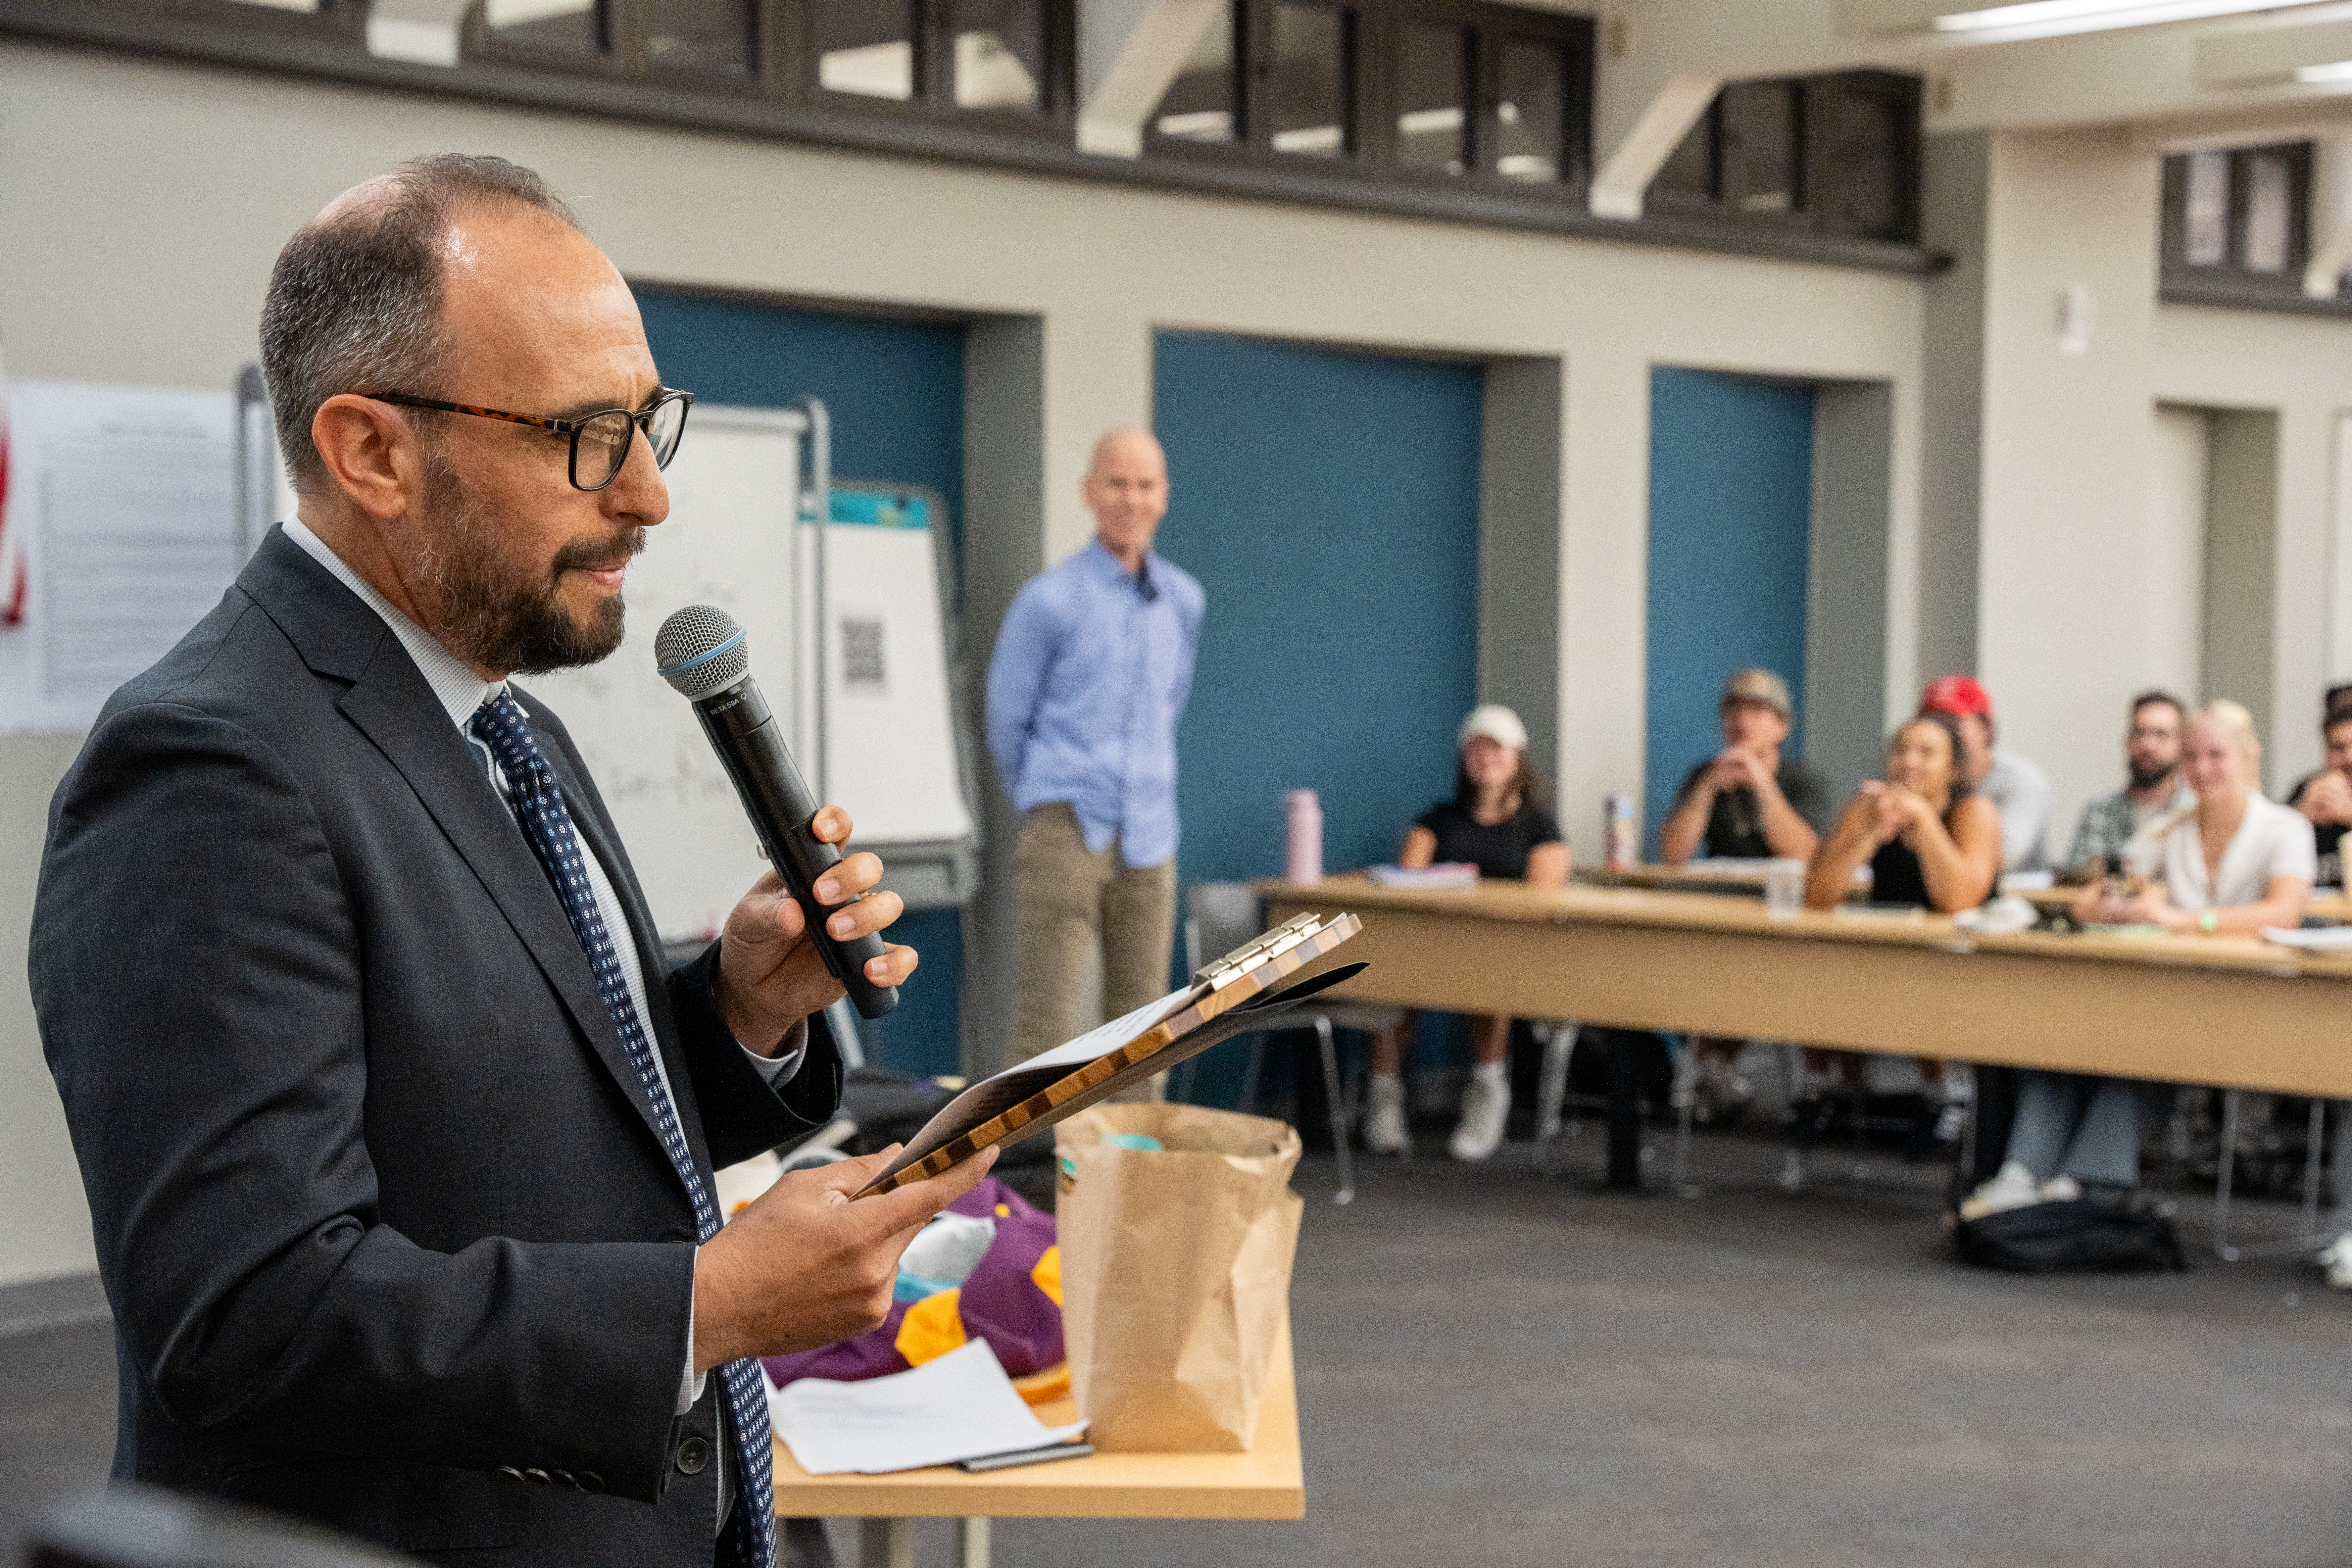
[1219, 917]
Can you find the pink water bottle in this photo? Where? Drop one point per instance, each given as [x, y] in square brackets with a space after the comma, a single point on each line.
[1302, 821]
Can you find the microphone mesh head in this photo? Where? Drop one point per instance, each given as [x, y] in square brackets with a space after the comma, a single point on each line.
[700, 650]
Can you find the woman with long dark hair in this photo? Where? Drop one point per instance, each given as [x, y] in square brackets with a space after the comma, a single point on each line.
[1496, 822]
[1931, 842]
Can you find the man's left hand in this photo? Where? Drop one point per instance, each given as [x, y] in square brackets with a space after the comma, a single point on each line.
[771, 975]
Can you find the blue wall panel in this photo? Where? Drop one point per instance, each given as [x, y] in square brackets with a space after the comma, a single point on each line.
[1731, 461]
[895, 390]
[1329, 502]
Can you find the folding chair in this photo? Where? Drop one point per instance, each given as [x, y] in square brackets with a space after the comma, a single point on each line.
[1218, 917]
[2311, 1240]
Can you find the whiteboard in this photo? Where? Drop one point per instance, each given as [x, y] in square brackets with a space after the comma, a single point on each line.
[734, 489]
[888, 750]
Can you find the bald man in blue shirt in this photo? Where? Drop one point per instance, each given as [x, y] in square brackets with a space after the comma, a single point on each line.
[1090, 674]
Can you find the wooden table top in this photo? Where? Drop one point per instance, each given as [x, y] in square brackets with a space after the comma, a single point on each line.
[1747, 876]
[1693, 910]
[1267, 1482]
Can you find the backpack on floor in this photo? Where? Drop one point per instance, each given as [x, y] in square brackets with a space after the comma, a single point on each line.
[2077, 1238]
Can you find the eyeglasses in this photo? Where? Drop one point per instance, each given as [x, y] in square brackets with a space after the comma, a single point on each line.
[600, 441]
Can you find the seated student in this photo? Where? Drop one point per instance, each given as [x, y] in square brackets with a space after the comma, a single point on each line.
[2325, 798]
[2018, 789]
[1496, 823]
[2232, 862]
[1929, 840]
[1748, 801]
[2152, 755]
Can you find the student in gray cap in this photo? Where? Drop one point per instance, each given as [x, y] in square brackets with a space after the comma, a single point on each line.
[1748, 801]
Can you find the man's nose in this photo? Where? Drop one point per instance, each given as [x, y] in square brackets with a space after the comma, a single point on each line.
[639, 492]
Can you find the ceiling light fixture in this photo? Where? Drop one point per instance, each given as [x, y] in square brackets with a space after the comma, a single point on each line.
[2005, 21]
[2337, 70]
[2083, 15]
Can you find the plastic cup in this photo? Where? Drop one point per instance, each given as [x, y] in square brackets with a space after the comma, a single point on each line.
[1784, 889]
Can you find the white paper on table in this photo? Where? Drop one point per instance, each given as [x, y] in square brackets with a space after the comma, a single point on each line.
[960, 1405]
[2320, 939]
[123, 502]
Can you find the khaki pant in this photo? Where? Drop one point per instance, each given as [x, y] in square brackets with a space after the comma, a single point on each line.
[1069, 901]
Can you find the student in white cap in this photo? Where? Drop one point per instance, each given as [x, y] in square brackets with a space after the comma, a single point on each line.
[1495, 821]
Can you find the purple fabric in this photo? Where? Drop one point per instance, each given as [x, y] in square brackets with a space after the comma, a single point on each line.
[999, 1303]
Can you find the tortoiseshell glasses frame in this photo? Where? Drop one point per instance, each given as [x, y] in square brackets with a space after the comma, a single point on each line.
[608, 431]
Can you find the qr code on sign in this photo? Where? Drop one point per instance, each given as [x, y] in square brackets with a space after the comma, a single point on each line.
[862, 669]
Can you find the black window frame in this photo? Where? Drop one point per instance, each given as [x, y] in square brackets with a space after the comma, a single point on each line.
[1814, 163]
[1374, 34]
[339, 20]
[1055, 119]
[778, 102]
[2231, 276]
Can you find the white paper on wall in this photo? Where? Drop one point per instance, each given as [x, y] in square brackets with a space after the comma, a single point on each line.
[122, 500]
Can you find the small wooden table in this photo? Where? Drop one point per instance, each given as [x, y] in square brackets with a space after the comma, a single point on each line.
[1267, 1482]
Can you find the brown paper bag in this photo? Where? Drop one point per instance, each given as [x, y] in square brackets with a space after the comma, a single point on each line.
[1175, 1271]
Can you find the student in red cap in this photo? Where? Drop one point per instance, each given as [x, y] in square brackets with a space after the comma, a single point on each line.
[2018, 789]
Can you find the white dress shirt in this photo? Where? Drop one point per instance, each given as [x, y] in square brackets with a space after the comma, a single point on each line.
[2272, 841]
[461, 692]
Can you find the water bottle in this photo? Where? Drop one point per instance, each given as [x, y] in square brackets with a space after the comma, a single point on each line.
[1302, 821]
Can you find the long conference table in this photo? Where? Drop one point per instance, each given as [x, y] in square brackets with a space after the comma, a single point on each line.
[2235, 1012]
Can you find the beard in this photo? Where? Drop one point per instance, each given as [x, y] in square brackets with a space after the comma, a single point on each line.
[499, 613]
[2148, 778]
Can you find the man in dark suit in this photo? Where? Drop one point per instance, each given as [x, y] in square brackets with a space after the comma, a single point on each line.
[398, 1133]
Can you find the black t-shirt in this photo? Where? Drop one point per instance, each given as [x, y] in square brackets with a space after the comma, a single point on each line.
[2326, 837]
[1735, 828]
[1500, 851]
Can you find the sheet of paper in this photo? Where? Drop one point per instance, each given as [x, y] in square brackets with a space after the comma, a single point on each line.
[2322, 939]
[959, 1406]
[125, 498]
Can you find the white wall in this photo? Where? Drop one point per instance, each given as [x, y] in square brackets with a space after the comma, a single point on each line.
[144, 201]
[2074, 580]
[2068, 442]
[2172, 624]
[2300, 367]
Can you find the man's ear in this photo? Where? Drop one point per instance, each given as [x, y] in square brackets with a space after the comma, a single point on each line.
[370, 454]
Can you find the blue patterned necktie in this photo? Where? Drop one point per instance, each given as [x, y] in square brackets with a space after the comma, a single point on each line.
[502, 726]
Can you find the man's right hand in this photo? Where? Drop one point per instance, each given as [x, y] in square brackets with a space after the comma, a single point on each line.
[2329, 799]
[805, 1267]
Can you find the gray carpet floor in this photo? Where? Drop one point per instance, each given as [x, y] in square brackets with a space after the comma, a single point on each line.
[1499, 1366]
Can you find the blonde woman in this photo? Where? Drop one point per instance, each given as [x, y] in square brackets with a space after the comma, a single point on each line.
[2232, 863]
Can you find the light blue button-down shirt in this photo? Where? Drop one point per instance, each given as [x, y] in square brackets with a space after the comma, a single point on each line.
[1090, 674]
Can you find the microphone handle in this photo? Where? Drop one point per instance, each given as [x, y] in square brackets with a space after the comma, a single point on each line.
[745, 736]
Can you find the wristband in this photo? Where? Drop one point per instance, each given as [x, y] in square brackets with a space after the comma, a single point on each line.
[2209, 922]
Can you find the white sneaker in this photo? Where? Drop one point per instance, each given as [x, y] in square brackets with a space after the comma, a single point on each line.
[2012, 1187]
[1485, 1105]
[1384, 1129]
[2062, 1188]
[2338, 1261]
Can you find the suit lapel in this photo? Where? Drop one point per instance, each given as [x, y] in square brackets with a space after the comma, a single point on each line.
[391, 705]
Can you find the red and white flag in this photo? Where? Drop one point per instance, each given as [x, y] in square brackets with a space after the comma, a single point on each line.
[12, 551]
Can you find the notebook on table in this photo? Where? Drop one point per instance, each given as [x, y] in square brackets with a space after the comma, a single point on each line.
[1244, 991]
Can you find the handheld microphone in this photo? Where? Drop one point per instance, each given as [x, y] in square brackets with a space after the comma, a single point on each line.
[702, 653]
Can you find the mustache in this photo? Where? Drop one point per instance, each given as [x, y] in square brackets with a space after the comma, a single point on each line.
[599, 555]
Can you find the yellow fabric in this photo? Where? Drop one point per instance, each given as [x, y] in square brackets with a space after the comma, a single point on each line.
[1046, 1386]
[1047, 1275]
[932, 1327]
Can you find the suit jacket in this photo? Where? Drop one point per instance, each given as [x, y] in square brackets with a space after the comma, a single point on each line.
[378, 1200]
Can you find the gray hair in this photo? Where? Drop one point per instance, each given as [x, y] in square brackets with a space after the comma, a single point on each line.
[355, 303]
